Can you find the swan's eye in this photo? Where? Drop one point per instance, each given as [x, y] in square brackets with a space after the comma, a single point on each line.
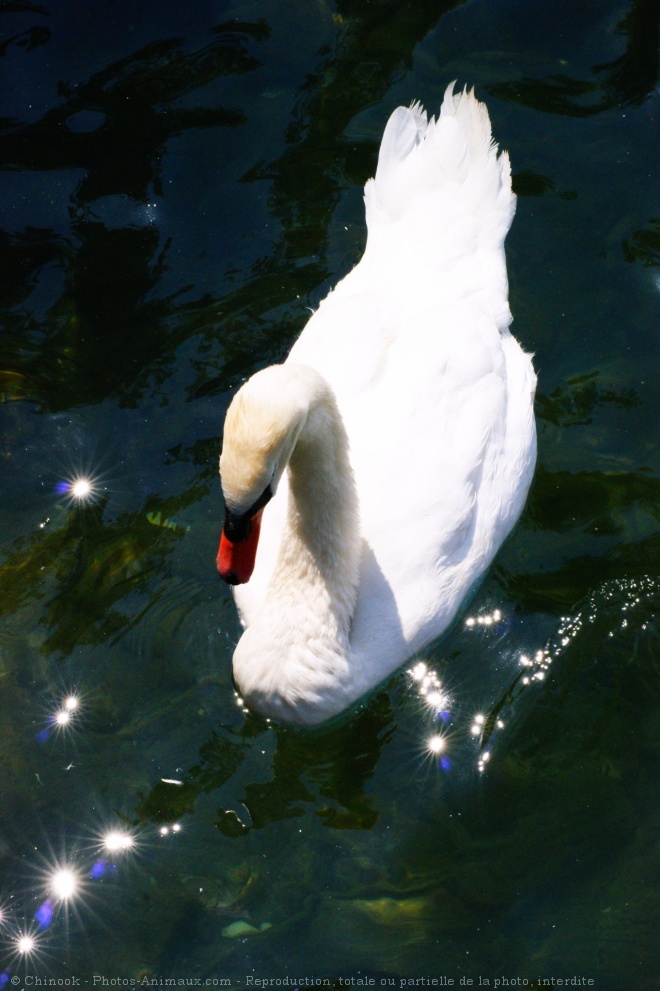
[238, 525]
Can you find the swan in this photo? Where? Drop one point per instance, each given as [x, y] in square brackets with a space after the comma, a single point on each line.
[381, 466]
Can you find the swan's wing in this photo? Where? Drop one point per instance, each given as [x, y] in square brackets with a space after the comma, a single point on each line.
[445, 480]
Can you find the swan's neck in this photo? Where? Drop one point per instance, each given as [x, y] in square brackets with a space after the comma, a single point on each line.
[301, 637]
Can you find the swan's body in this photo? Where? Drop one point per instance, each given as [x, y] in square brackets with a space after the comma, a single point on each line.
[405, 416]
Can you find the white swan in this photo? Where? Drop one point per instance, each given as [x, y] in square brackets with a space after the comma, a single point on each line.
[397, 440]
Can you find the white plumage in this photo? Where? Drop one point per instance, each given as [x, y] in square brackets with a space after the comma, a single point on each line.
[407, 370]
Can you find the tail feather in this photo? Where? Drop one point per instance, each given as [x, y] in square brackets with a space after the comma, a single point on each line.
[441, 202]
[403, 132]
[418, 156]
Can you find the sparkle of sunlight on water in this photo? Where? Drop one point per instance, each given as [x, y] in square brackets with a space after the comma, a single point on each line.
[181, 184]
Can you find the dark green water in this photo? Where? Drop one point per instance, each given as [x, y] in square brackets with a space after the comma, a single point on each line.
[180, 183]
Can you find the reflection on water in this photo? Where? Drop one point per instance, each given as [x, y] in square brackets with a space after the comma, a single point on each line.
[172, 206]
[102, 312]
[644, 245]
[386, 893]
[626, 80]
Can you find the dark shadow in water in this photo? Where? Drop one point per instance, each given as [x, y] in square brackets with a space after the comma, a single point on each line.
[575, 403]
[599, 504]
[327, 768]
[77, 574]
[24, 6]
[22, 257]
[644, 245]
[626, 81]
[532, 184]
[330, 768]
[559, 589]
[107, 333]
[135, 100]
[590, 500]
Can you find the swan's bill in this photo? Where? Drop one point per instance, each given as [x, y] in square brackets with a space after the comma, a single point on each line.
[238, 543]
[236, 557]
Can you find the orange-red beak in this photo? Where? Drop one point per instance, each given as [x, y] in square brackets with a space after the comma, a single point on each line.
[236, 558]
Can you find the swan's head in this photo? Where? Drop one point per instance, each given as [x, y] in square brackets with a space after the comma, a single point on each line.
[262, 426]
